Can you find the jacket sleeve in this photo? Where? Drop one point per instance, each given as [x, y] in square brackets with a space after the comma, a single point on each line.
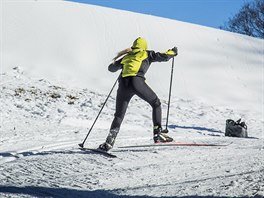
[115, 66]
[160, 57]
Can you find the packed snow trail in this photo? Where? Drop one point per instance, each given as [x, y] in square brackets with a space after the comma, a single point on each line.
[44, 159]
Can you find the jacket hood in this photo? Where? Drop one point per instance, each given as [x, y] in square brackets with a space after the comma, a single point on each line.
[140, 43]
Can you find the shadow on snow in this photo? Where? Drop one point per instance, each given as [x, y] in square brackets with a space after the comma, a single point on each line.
[214, 132]
[38, 191]
[42, 153]
[174, 126]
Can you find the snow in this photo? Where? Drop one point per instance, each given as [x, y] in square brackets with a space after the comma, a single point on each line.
[54, 80]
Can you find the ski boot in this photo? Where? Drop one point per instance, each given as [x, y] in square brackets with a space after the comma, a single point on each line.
[110, 140]
[105, 147]
[161, 135]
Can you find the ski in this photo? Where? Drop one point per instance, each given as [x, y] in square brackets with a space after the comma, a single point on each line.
[98, 151]
[172, 144]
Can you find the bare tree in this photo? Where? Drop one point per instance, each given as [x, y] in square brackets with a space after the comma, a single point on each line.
[249, 20]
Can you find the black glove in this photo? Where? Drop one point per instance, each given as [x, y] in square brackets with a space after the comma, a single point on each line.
[175, 49]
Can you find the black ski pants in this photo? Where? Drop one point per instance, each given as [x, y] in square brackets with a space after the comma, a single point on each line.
[128, 87]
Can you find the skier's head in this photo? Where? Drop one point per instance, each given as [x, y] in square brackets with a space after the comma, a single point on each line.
[140, 43]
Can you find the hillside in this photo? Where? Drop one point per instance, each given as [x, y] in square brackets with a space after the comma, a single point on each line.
[54, 80]
[74, 43]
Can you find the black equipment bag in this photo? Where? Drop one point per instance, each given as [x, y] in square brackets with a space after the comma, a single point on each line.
[236, 129]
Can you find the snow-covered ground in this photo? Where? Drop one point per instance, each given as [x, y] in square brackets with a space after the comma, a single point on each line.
[54, 80]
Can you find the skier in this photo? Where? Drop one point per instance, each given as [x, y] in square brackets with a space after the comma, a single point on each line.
[135, 62]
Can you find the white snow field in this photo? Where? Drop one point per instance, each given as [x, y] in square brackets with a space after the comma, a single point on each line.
[54, 80]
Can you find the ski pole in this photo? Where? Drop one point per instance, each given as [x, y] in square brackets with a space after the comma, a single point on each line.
[81, 144]
[168, 111]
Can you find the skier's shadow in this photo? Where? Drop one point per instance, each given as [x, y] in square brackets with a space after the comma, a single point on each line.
[212, 130]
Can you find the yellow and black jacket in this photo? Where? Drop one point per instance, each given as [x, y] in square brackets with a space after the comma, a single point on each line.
[137, 61]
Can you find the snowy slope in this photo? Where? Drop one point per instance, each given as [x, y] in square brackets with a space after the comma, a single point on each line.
[74, 43]
[54, 56]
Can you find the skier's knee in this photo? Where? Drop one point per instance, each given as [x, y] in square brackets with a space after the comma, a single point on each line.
[156, 103]
[119, 116]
